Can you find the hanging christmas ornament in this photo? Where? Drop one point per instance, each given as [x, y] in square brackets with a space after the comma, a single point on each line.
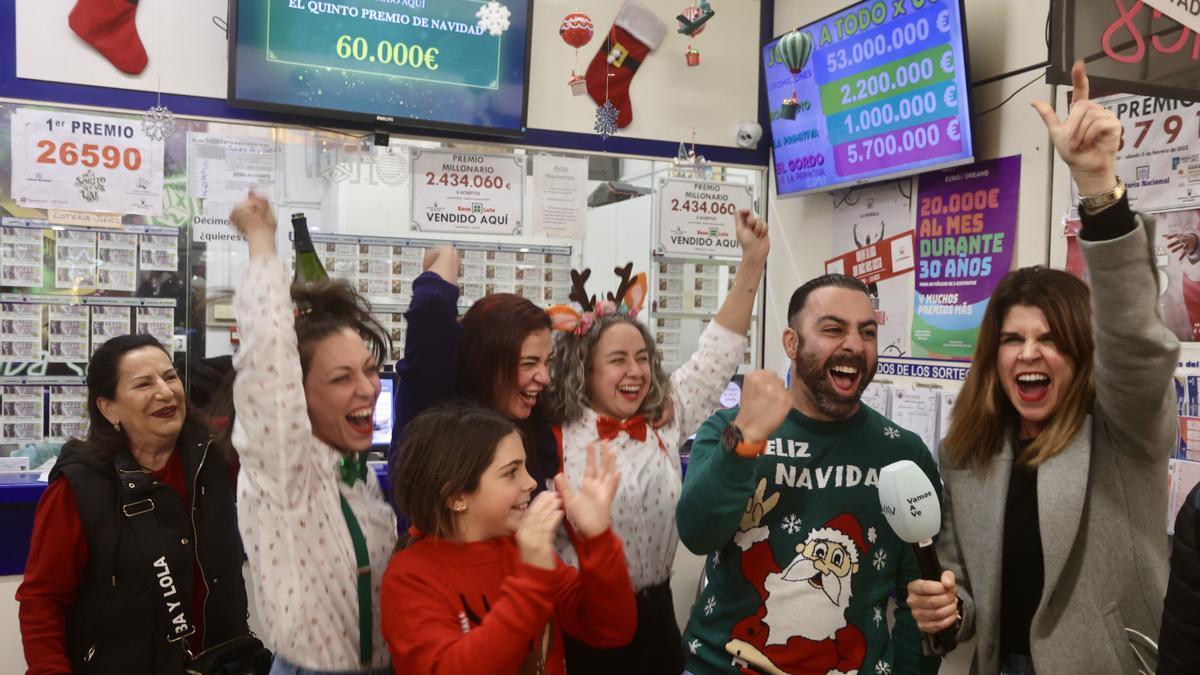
[794, 50]
[606, 119]
[493, 17]
[688, 164]
[635, 33]
[577, 30]
[158, 123]
[693, 18]
[691, 23]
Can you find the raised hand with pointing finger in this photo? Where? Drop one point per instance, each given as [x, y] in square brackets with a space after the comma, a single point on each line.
[1088, 139]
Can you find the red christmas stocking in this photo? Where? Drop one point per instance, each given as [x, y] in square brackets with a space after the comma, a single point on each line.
[636, 31]
[108, 25]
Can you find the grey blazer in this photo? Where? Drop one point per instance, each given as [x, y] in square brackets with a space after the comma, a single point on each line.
[1102, 502]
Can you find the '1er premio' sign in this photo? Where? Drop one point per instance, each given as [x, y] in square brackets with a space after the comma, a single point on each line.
[85, 163]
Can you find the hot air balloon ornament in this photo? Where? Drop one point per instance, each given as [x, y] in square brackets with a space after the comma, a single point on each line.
[793, 50]
[692, 22]
[577, 30]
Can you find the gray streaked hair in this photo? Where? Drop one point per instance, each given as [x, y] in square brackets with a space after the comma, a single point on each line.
[567, 397]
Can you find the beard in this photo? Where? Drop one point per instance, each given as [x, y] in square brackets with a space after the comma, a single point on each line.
[795, 607]
[814, 375]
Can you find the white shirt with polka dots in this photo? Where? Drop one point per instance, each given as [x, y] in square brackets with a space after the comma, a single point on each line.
[643, 513]
[301, 556]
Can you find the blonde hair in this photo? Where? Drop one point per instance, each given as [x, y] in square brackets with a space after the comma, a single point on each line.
[984, 418]
[570, 365]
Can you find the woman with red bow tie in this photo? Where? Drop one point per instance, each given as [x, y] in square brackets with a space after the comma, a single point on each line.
[607, 380]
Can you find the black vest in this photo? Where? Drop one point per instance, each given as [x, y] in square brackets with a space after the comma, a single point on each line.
[120, 623]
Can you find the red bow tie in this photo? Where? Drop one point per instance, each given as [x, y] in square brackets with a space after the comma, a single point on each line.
[609, 428]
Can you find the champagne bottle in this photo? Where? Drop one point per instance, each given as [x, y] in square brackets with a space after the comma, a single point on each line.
[308, 265]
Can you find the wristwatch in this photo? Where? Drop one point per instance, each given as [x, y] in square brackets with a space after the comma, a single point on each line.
[1097, 202]
[733, 442]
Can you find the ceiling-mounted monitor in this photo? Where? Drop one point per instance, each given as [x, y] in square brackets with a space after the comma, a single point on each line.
[408, 63]
[875, 91]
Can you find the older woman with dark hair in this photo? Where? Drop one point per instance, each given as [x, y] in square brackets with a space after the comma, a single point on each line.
[135, 563]
[607, 381]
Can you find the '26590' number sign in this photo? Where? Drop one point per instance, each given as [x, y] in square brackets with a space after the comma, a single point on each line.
[85, 163]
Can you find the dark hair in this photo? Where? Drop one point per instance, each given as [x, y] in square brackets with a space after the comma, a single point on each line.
[490, 345]
[327, 307]
[445, 451]
[103, 374]
[983, 417]
[800, 295]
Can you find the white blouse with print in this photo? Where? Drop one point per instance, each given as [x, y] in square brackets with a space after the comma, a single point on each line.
[643, 513]
[299, 548]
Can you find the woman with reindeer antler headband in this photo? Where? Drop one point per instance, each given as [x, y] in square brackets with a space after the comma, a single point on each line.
[497, 356]
[606, 381]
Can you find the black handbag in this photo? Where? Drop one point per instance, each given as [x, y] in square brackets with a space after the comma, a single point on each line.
[239, 656]
[245, 655]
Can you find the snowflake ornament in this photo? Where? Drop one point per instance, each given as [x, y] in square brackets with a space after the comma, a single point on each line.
[606, 119]
[883, 668]
[158, 123]
[493, 17]
[693, 646]
[791, 524]
[871, 535]
[891, 432]
[710, 606]
[880, 559]
[877, 617]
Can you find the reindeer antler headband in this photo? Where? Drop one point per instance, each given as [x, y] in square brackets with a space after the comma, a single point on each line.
[630, 295]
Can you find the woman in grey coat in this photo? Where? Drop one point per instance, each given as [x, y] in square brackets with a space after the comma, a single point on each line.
[1054, 536]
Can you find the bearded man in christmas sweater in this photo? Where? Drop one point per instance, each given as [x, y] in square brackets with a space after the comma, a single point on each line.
[781, 495]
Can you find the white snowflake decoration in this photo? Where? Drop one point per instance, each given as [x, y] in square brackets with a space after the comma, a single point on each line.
[791, 524]
[693, 646]
[883, 668]
[493, 17]
[716, 558]
[880, 559]
[710, 606]
[606, 119]
[871, 535]
[877, 617]
[891, 432]
[158, 123]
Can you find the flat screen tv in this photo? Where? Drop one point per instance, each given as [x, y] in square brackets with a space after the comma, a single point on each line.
[875, 91]
[385, 63]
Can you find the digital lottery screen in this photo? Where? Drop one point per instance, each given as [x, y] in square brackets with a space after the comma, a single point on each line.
[875, 91]
[423, 63]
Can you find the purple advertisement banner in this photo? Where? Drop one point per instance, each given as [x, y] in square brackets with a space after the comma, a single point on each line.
[966, 229]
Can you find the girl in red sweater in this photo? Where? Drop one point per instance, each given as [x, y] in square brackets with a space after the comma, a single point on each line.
[479, 588]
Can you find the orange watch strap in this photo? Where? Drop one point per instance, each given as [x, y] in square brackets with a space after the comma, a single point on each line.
[747, 449]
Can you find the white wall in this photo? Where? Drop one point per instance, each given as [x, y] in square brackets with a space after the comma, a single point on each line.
[187, 55]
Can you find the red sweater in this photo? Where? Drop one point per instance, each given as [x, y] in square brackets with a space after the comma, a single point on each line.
[451, 608]
[58, 556]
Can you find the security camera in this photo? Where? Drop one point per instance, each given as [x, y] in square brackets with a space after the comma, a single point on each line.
[748, 134]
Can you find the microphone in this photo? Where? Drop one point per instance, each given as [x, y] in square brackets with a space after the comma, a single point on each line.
[911, 507]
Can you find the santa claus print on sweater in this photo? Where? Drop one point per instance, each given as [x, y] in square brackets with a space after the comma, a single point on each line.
[801, 626]
[801, 562]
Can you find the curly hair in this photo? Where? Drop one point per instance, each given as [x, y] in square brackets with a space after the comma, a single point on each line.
[325, 307]
[567, 397]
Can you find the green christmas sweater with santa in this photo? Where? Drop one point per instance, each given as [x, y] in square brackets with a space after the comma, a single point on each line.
[800, 558]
